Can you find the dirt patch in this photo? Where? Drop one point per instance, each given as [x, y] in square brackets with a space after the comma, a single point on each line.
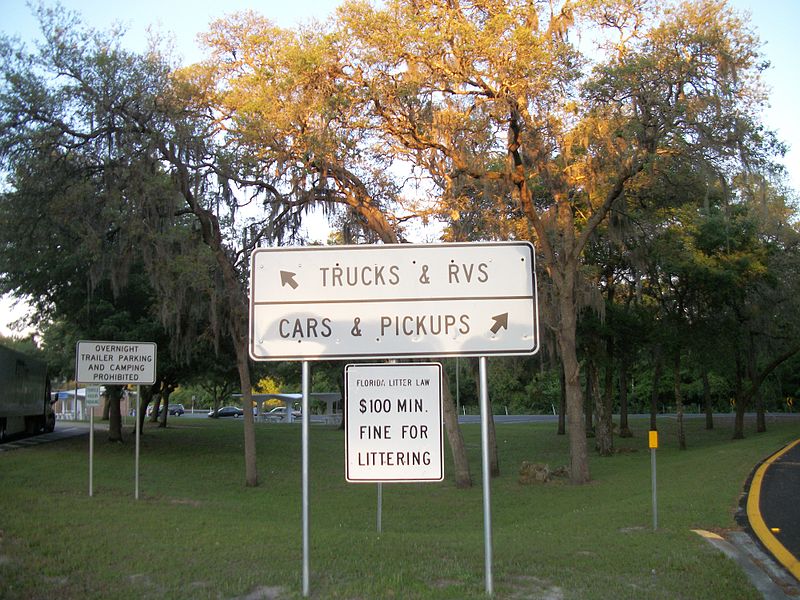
[529, 588]
[266, 593]
[532, 473]
[186, 502]
[632, 529]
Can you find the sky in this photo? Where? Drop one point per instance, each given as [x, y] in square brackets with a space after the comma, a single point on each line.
[777, 23]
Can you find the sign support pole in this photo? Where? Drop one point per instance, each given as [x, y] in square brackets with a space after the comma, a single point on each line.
[487, 501]
[305, 410]
[653, 443]
[380, 507]
[655, 498]
[91, 449]
[138, 438]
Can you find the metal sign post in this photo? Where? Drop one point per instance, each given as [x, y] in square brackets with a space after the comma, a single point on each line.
[379, 516]
[653, 443]
[91, 450]
[306, 527]
[138, 443]
[92, 400]
[487, 493]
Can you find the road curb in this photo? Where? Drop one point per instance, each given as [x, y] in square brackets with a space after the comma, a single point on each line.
[759, 527]
[753, 567]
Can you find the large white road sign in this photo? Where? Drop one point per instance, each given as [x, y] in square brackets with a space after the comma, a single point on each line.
[115, 363]
[394, 422]
[318, 303]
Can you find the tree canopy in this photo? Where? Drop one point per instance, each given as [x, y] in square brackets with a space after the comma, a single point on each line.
[622, 137]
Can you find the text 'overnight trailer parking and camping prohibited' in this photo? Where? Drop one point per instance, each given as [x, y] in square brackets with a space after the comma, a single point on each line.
[120, 363]
[393, 301]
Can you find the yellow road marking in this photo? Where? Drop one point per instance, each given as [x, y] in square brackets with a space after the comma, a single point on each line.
[786, 558]
[708, 534]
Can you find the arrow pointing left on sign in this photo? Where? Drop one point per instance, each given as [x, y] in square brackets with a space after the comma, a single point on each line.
[287, 278]
[500, 321]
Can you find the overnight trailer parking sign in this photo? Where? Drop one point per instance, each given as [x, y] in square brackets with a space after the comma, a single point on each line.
[393, 301]
[115, 363]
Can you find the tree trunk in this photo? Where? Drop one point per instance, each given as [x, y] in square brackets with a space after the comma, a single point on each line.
[656, 382]
[455, 438]
[604, 410]
[243, 366]
[761, 421]
[562, 403]
[234, 294]
[157, 389]
[624, 428]
[114, 393]
[565, 335]
[603, 440]
[679, 401]
[165, 394]
[741, 402]
[738, 421]
[743, 398]
[145, 397]
[588, 408]
[707, 399]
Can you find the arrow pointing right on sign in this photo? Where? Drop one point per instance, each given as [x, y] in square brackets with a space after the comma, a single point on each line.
[287, 278]
[500, 321]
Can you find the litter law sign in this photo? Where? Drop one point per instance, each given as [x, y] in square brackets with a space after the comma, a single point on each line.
[393, 301]
[115, 363]
[394, 422]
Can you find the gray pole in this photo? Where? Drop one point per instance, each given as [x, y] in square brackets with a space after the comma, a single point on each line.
[655, 500]
[91, 449]
[380, 507]
[487, 500]
[458, 391]
[138, 438]
[305, 477]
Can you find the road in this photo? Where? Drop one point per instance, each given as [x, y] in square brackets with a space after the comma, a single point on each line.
[773, 511]
[63, 430]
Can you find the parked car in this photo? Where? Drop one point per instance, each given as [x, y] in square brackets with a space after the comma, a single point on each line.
[279, 414]
[174, 409]
[227, 411]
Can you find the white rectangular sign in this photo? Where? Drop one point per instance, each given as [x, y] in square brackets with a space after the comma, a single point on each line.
[394, 422]
[93, 395]
[115, 363]
[325, 302]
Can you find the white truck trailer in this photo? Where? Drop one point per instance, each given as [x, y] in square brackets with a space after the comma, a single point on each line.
[25, 405]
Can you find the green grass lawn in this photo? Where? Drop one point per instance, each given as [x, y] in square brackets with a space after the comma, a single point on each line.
[197, 532]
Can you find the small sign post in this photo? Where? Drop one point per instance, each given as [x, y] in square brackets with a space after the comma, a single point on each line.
[92, 400]
[653, 443]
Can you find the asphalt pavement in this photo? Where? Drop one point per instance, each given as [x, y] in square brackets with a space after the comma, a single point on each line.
[768, 549]
[773, 507]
